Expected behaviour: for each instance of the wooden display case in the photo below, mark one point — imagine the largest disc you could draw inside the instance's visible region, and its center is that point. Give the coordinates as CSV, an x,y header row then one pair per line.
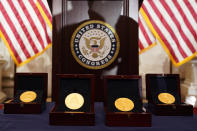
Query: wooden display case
x,y
129,87
36,82
165,83
67,84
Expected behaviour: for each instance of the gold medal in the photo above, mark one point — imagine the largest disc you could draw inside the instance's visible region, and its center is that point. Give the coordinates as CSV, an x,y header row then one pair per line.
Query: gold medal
x,y
166,98
28,96
124,104
74,101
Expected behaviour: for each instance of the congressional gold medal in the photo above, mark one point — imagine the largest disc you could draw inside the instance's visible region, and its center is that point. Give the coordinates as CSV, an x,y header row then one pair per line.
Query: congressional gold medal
x,y
74,101
124,104
166,98
28,96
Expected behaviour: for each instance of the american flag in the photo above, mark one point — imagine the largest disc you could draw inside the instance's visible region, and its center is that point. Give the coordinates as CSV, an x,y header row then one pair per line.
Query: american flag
x,y
25,28
174,24
146,38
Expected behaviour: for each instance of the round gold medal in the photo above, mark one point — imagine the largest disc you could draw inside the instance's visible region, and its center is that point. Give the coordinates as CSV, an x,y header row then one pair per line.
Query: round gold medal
x,y
74,101
28,96
166,98
124,104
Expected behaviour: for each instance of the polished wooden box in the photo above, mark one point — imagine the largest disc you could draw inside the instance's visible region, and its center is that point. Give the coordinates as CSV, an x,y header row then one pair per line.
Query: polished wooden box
x,y
37,82
71,83
130,87
167,83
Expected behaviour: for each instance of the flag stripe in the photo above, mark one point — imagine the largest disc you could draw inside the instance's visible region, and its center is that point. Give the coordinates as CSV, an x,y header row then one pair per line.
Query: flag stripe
x,y
168,28
16,13
188,21
7,18
142,40
18,28
12,38
32,23
187,35
27,24
25,28
141,45
145,33
146,38
40,18
10,44
159,31
147,30
193,5
45,10
174,24
191,9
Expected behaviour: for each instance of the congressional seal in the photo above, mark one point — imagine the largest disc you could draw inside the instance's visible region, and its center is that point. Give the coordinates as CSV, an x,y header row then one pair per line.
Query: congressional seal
x,y
95,44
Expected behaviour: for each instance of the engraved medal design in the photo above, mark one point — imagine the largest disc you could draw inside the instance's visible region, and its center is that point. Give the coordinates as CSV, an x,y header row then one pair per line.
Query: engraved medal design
x,y
124,104
74,101
166,98
28,96
95,44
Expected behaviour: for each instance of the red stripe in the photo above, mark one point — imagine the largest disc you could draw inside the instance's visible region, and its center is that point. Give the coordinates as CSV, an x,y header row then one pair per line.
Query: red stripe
x,y
10,44
48,14
187,41
17,36
41,20
31,22
166,25
191,9
141,45
160,33
23,26
144,32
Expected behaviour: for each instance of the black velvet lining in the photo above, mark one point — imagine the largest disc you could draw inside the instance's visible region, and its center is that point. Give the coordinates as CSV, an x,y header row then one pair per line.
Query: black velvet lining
x,y
164,84
29,83
117,88
74,85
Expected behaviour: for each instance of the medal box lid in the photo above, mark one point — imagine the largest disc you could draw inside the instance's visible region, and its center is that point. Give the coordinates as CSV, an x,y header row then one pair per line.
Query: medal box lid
x,y
163,83
157,84
66,85
36,82
70,84
125,86
25,82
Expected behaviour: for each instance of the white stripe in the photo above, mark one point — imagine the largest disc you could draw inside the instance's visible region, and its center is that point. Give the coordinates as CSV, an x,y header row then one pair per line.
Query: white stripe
x,y
188,15
27,24
18,28
36,21
12,37
47,6
142,39
173,27
182,23
193,4
164,31
148,31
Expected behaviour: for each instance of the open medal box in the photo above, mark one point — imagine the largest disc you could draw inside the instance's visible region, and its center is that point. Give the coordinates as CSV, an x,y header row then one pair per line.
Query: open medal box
x,y
30,93
74,101
163,94
123,103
